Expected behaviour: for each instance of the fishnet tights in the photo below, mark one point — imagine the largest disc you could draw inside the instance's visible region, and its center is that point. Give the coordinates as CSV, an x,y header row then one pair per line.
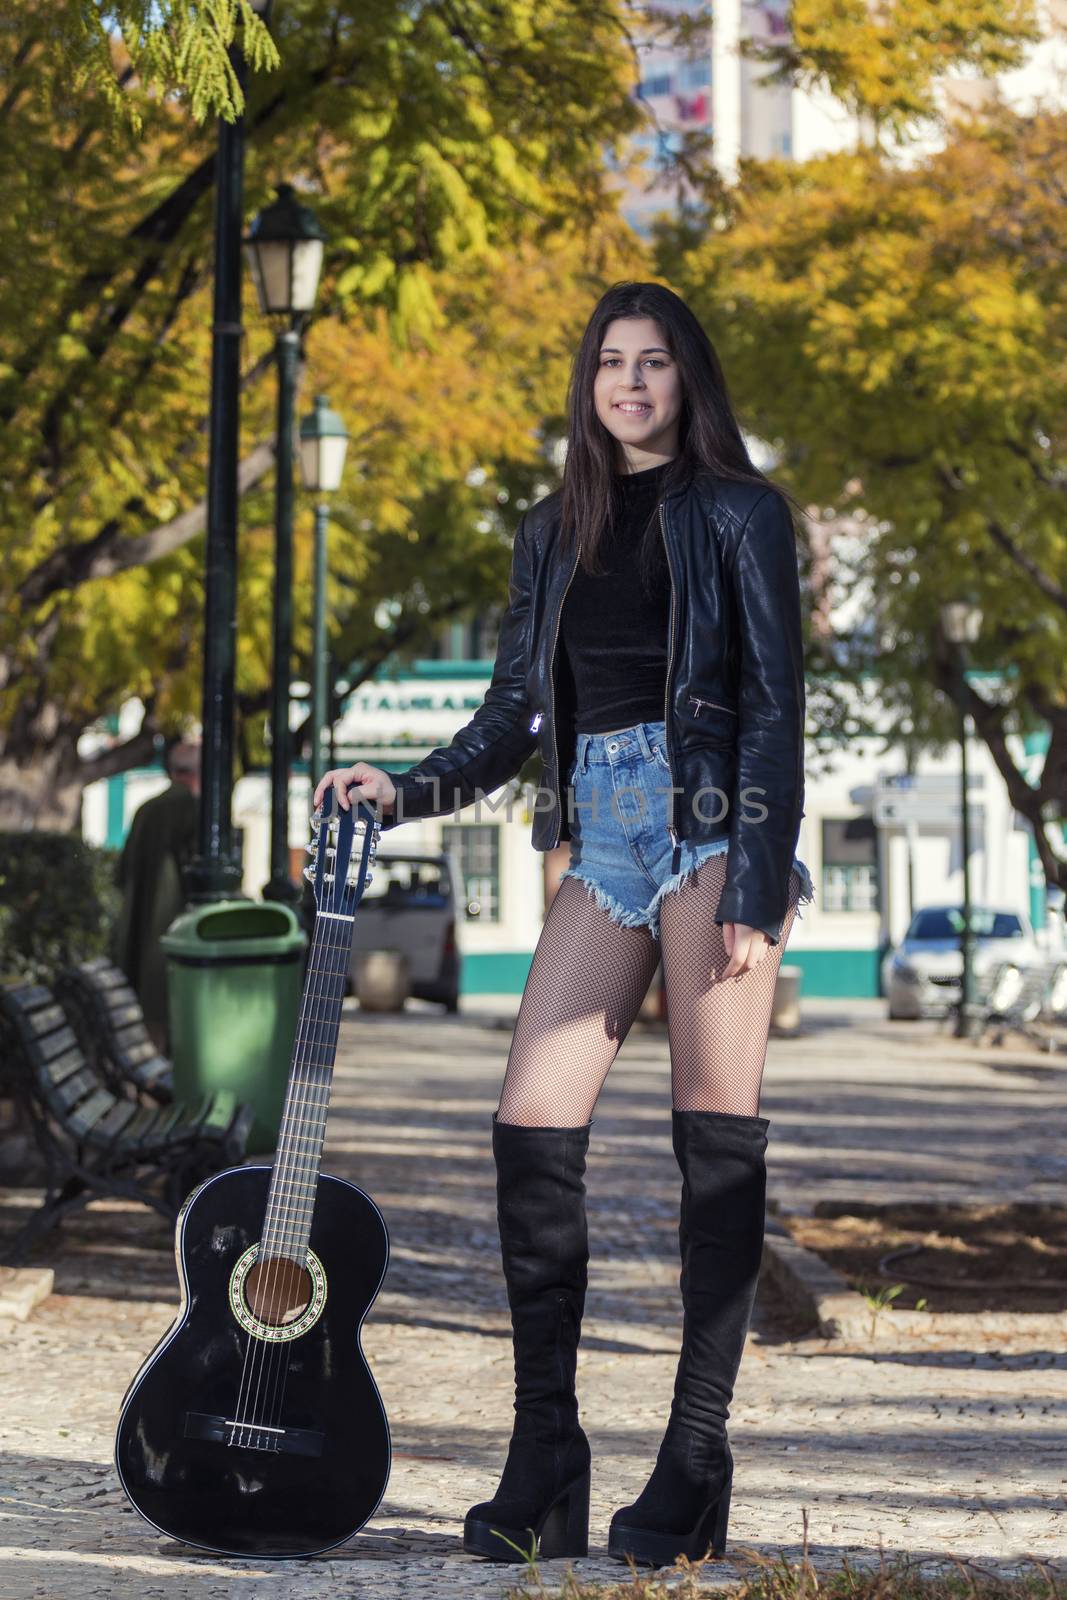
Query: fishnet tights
x,y
585,987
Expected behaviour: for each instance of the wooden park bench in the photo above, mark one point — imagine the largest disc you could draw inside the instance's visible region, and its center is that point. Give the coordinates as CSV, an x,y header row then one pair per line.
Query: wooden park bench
x,y
96,1143
106,1015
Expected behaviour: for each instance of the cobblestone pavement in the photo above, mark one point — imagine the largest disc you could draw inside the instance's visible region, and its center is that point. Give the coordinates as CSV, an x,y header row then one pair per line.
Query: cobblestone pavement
x,y
940,1452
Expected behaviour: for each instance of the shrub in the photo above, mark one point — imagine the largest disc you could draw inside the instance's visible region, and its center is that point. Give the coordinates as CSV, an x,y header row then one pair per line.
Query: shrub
x,y
58,901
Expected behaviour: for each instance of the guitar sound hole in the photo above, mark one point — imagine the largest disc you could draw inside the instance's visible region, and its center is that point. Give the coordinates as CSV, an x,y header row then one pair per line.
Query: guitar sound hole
x,y
278,1291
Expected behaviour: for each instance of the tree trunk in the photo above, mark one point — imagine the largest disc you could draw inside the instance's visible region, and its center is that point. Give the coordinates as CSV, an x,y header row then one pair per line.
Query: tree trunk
x,y
43,793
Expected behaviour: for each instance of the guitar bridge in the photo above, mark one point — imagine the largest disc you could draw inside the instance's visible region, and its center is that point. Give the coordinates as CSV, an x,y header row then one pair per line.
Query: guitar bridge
x,y
253,1435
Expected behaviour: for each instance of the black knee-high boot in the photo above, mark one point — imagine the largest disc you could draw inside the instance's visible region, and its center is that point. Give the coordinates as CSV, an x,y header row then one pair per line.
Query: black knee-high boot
x,y
685,1505
544,1489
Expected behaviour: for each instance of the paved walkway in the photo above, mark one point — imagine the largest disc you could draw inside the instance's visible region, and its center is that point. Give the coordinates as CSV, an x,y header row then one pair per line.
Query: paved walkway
x,y
957,1451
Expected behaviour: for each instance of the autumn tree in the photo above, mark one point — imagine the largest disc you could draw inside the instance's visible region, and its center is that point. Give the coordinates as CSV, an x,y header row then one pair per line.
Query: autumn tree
x,y
180,47
457,160
900,333
887,62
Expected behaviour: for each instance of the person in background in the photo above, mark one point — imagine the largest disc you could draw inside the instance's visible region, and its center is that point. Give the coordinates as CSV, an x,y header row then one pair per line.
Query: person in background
x,y
162,838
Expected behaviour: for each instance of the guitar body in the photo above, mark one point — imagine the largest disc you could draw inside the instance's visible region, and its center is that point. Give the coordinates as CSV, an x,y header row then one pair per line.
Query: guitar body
x,y
268,1444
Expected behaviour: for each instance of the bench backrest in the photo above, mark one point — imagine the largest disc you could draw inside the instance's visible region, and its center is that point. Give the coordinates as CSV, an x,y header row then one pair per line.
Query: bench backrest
x,y
99,997
53,1064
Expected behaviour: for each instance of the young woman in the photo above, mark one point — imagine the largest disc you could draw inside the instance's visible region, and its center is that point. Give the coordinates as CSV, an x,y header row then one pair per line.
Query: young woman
x,y
652,649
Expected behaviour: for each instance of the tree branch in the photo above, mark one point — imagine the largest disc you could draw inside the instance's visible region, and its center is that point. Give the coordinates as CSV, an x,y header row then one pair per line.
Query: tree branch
x,y
107,553
1048,586
157,232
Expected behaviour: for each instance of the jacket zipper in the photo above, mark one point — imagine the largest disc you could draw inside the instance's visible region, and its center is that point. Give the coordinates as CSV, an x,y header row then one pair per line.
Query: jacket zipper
x,y
714,704
552,703
677,853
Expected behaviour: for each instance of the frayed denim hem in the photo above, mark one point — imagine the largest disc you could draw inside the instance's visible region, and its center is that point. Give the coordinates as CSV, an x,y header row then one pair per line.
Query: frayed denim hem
x,y
607,902
650,916
671,885
678,879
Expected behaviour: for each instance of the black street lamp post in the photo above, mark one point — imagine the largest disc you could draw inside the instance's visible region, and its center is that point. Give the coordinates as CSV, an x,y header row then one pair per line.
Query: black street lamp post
x,y
961,622
214,873
285,246
323,442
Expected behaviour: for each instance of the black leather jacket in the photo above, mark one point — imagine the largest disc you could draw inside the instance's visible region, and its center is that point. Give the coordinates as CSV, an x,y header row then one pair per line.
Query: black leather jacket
x,y
734,701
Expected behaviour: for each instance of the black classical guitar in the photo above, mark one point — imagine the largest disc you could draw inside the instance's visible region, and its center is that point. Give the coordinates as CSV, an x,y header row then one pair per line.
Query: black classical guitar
x,y
255,1426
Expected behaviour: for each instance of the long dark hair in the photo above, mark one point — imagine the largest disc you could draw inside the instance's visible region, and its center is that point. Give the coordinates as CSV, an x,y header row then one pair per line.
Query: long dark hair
x,y
708,433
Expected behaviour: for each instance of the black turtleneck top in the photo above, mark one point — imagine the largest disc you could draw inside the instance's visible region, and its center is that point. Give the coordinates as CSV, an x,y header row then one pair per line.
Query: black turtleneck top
x,y
612,668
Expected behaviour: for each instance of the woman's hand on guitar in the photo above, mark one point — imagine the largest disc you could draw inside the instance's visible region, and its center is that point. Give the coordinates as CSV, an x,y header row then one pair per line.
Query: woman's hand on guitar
x,y
374,784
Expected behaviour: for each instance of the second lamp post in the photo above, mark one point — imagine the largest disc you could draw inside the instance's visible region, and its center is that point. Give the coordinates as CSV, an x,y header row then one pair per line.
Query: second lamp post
x,y
323,442
961,622
285,247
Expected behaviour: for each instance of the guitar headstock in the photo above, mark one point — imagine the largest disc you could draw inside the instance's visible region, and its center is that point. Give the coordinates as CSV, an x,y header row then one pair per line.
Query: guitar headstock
x,y
343,846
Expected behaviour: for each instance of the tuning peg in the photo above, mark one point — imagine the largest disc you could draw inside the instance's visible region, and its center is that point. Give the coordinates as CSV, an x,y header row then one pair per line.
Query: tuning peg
x,y
309,874
312,848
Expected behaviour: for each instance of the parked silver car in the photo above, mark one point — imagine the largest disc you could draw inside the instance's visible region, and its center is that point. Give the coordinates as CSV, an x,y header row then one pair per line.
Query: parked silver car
x,y
412,904
921,977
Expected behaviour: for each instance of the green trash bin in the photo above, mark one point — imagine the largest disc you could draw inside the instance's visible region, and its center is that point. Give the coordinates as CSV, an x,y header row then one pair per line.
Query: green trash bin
x,y
235,975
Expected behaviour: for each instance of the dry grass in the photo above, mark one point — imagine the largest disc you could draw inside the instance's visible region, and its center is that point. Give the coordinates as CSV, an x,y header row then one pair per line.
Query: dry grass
x,y
896,1577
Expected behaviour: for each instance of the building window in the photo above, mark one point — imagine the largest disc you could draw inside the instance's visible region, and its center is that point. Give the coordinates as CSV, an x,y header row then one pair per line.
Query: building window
x,y
662,83
476,847
849,864
695,74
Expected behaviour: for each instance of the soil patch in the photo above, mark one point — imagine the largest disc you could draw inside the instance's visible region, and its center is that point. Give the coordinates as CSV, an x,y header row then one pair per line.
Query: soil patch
x,y
955,1257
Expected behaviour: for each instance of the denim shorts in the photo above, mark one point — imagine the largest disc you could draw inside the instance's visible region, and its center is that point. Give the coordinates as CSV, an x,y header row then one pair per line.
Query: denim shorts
x,y
620,847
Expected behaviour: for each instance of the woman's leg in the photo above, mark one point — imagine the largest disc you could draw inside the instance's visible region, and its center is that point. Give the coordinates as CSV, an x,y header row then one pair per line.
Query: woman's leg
x,y
718,1037
586,984
588,978
718,1028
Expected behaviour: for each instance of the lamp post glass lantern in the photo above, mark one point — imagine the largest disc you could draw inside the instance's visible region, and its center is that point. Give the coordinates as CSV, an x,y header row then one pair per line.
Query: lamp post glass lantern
x,y
323,443
285,248
961,622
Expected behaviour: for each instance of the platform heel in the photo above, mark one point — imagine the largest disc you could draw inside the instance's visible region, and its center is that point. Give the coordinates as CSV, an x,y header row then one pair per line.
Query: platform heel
x,y
565,1530
562,1530
650,1547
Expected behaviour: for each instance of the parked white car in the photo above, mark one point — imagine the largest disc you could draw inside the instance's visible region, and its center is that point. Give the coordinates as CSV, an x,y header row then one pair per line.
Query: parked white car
x,y
921,977
412,905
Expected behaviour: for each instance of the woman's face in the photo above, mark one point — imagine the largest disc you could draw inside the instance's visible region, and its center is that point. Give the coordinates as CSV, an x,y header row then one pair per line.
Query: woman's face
x,y
638,393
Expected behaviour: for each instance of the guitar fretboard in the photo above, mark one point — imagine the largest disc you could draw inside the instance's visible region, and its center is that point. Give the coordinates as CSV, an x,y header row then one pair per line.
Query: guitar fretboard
x,y
291,1199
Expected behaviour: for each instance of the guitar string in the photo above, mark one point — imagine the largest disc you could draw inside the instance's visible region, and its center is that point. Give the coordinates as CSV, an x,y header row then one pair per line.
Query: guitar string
x,y
298,1100
303,1190
305,1205
297,1191
329,1030
274,1200
290,1186
285,1213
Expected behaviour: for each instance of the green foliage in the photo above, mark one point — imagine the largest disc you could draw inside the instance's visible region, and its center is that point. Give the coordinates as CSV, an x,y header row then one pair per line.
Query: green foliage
x,y
179,47
457,164
886,62
900,334
58,902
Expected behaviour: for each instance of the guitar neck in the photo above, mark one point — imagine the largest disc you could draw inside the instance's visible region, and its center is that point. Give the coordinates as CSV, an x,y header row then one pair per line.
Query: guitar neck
x,y
291,1199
